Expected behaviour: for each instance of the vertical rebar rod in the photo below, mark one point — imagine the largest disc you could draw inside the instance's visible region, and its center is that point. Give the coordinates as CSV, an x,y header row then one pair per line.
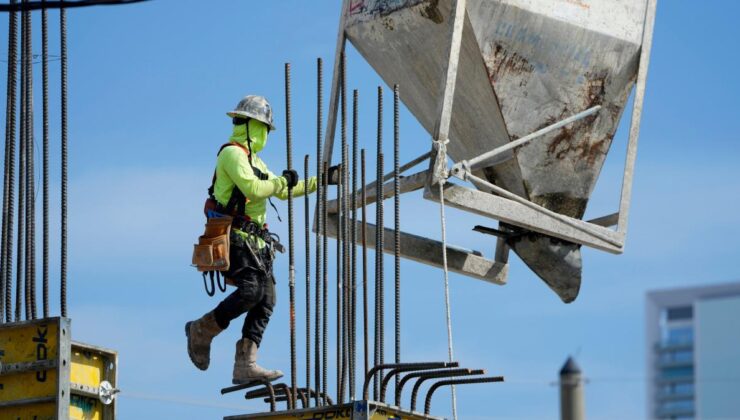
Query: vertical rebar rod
x,y
9,176
342,242
291,245
379,301
346,287
45,162
365,314
339,295
319,204
20,289
353,249
325,290
307,221
63,53
30,182
397,226
27,70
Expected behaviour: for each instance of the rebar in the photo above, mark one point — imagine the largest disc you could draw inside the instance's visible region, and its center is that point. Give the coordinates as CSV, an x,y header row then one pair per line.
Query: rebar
x,y
20,273
453,382
325,289
319,204
9,176
378,370
45,162
339,295
353,249
30,183
378,359
268,390
394,373
291,245
433,375
342,259
364,266
442,373
397,227
63,53
307,216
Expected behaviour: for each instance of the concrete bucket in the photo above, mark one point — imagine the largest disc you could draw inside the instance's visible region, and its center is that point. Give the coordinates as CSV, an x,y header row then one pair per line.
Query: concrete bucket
x,y
523,65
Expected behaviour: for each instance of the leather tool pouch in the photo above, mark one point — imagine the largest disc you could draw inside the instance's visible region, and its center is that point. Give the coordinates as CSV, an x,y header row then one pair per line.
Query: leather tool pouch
x,y
211,253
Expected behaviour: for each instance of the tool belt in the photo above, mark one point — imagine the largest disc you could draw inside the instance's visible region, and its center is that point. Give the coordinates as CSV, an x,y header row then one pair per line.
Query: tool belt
x,y
211,253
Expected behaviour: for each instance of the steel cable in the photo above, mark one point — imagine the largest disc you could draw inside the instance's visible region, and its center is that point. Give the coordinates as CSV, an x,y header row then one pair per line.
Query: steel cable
x,y
442,156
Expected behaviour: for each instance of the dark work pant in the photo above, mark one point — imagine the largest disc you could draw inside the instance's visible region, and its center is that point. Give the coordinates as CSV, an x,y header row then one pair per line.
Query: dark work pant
x,y
255,293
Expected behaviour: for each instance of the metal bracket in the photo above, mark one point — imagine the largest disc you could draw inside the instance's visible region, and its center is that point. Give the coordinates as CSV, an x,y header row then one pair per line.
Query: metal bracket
x,y
529,216
428,251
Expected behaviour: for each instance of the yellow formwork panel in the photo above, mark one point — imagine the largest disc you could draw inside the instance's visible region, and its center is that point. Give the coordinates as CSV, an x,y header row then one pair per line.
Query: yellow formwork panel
x,y
45,376
32,343
45,411
24,343
90,366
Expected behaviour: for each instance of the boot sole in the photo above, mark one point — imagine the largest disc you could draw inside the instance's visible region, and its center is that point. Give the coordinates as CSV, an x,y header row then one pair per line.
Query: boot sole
x,y
242,382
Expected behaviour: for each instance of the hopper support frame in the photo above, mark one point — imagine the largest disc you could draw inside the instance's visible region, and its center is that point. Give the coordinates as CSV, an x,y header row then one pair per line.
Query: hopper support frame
x,y
508,208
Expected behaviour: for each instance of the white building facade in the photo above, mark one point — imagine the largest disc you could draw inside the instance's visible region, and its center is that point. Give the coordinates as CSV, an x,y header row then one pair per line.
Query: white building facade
x,y
693,352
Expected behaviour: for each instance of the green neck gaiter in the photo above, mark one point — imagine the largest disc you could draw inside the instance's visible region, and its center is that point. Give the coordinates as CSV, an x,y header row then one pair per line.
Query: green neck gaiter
x,y
257,133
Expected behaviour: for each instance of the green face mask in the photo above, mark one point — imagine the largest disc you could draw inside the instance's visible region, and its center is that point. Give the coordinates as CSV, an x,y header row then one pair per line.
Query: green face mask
x,y
257,133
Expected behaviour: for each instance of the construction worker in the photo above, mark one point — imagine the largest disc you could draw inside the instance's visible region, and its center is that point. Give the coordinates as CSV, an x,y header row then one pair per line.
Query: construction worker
x,y
241,188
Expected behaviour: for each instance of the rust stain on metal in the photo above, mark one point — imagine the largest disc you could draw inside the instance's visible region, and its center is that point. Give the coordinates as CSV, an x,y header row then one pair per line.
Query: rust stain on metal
x,y
595,88
431,12
570,142
508,63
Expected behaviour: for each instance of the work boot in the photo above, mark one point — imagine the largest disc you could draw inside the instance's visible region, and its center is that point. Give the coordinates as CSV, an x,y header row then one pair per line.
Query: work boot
x,y
246,368
200,334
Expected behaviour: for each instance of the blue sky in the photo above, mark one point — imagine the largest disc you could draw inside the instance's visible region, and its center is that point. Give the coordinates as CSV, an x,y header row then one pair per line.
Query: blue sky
x,y
149,87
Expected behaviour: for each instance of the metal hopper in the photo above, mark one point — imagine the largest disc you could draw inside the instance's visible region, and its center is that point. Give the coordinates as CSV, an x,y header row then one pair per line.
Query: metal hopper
x,y
521,66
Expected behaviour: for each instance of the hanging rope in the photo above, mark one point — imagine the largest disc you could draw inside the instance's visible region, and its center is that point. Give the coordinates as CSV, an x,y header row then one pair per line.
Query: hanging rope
x,y
441,161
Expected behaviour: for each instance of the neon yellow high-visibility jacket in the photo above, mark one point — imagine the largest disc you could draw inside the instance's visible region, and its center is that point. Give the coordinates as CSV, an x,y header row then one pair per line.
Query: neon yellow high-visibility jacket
x,y
233,170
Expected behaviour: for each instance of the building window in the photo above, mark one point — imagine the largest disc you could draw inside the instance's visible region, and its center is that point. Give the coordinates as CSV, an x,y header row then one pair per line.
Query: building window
x,y
683,334
677,356
680,313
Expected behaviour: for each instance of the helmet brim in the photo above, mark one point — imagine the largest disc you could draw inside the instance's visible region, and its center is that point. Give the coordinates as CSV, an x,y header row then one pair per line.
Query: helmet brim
x,y
242,114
